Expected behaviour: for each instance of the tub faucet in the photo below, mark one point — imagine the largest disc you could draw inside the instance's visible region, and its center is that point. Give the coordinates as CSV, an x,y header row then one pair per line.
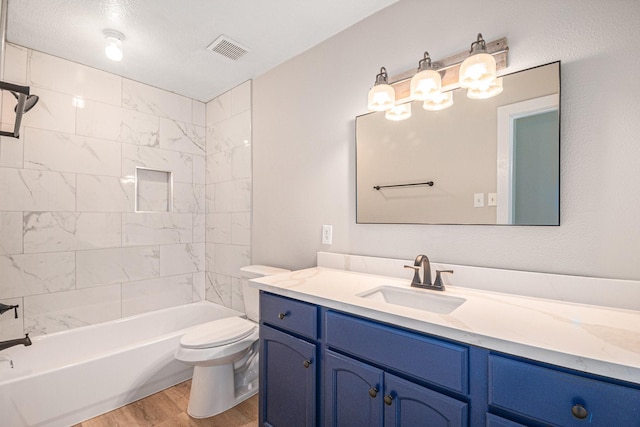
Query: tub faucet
x,y
10,343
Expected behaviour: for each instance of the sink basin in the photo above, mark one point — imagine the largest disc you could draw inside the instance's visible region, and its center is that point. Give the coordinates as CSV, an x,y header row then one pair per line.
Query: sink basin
x,y
414,298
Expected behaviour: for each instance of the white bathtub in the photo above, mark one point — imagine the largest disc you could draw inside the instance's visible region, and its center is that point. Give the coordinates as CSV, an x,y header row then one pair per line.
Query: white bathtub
x,y
67,377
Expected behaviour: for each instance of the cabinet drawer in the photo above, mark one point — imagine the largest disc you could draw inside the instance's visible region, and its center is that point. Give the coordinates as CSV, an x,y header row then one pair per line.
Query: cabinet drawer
x,y
431,360
496,421
548,396
290,315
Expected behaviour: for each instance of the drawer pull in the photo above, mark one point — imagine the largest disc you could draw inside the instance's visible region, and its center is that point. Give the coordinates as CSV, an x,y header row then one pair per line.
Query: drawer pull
x,y
373,392
282,316
579,412
388,400
307,363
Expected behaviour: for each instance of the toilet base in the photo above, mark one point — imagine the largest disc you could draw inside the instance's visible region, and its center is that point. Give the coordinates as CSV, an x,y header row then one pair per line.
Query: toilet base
x,y
213,391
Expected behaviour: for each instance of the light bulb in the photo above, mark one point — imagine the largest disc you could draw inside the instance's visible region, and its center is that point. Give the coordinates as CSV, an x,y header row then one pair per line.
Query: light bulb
x,y
113,48
425,85
398,112
479,69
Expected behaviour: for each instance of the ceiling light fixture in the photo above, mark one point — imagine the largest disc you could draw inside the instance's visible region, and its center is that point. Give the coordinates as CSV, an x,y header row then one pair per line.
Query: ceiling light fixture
x,y
427,82
381,96
113,48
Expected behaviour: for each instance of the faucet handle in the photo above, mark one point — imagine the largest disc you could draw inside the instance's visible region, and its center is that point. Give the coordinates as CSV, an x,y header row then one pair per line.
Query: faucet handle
x,y
438,282
416,274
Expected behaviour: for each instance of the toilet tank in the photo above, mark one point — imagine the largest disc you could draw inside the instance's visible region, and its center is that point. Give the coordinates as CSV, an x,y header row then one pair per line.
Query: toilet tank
x,y
251,295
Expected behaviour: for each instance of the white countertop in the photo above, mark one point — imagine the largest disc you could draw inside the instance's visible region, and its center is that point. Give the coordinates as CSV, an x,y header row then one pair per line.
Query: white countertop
x,y
589,338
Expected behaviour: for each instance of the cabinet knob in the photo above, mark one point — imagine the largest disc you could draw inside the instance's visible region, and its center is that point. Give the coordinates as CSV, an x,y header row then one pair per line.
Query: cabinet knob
x,y
388,400
307,363
282,316
579,412
373,392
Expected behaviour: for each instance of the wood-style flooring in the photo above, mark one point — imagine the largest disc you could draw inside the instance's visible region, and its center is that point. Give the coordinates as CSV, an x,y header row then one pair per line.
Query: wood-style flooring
x,y
168,408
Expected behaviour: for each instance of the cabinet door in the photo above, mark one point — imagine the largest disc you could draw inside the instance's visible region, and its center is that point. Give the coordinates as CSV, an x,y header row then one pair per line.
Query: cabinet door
x,y
352,392
287,380
411,405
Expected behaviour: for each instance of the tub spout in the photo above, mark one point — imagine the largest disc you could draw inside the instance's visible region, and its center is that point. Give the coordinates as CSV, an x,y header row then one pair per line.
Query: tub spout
x,y
10,343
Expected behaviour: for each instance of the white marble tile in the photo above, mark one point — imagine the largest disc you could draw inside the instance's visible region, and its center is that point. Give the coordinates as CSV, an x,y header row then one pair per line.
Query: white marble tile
x,y
199,113
10,327
219,228
182,258
199,228
15,64
209,198
148,99
64,152
44,314
156,228
229,259
106,121
219,109
230,133
218,289
34,190
50,72
199,286
219,167
153,190
233,196
10,233
199,169
117,265
153,294
241,98
54,112
180,164
241,228
188,198
11,152
237,298
180,136
63,231
223,196
241,162
104,194
32,274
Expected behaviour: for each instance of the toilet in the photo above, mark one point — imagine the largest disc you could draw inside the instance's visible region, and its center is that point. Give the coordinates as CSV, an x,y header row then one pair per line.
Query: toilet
x,y
224,354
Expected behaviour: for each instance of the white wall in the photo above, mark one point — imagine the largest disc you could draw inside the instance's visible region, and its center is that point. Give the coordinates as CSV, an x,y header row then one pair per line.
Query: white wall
x,y
72,250
303,117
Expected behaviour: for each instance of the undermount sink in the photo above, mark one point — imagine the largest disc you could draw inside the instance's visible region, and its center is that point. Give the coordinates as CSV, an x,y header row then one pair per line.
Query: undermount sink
x,y
414,298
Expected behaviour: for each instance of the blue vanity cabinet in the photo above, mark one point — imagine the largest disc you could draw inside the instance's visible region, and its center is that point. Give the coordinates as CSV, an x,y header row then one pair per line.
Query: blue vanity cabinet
x,y
288,362
541,395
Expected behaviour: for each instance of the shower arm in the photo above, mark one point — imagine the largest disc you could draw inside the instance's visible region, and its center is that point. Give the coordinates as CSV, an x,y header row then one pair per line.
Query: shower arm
x,y
22,93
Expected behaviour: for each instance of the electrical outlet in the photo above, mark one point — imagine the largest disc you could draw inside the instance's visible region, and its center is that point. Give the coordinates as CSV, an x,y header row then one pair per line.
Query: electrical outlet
x,y
327,234
478,200
492,199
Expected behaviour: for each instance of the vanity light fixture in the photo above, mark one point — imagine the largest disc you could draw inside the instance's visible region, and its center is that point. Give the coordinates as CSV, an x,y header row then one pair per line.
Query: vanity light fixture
x,y
493,89
113,48
398,112
439,102
427,82
478,71
381,96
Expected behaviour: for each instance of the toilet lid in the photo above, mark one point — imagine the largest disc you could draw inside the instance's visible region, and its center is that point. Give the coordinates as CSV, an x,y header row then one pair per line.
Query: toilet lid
x,y
218,333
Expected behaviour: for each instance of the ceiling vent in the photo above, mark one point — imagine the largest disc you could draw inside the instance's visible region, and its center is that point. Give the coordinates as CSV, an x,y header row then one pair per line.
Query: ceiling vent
x,y
226,47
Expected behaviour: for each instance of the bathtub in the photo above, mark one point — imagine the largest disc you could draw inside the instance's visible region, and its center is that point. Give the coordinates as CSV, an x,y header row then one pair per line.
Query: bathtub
x,y
68,377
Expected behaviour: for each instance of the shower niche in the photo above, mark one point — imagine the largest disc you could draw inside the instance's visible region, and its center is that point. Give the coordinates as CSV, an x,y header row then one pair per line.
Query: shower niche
x,y
154,190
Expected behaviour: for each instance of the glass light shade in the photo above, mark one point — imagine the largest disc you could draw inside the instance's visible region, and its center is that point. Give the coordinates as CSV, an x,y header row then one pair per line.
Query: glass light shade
x,y
398,112
425,84
113,49
477,71
485,92
381,97
440,102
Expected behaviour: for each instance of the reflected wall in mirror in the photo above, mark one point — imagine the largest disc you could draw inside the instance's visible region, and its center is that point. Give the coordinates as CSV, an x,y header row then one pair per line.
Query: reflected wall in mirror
x,y
490,161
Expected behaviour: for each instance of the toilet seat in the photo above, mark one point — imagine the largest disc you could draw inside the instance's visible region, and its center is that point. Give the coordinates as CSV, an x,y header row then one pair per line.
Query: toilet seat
x,y
218,333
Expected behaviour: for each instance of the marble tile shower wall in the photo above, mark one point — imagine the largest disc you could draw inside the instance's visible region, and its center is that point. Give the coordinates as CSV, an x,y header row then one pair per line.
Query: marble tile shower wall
x,y
73,251
228,178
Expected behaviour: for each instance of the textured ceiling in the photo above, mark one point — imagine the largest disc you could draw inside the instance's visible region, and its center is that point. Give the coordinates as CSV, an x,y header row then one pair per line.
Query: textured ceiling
x,y
166,40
